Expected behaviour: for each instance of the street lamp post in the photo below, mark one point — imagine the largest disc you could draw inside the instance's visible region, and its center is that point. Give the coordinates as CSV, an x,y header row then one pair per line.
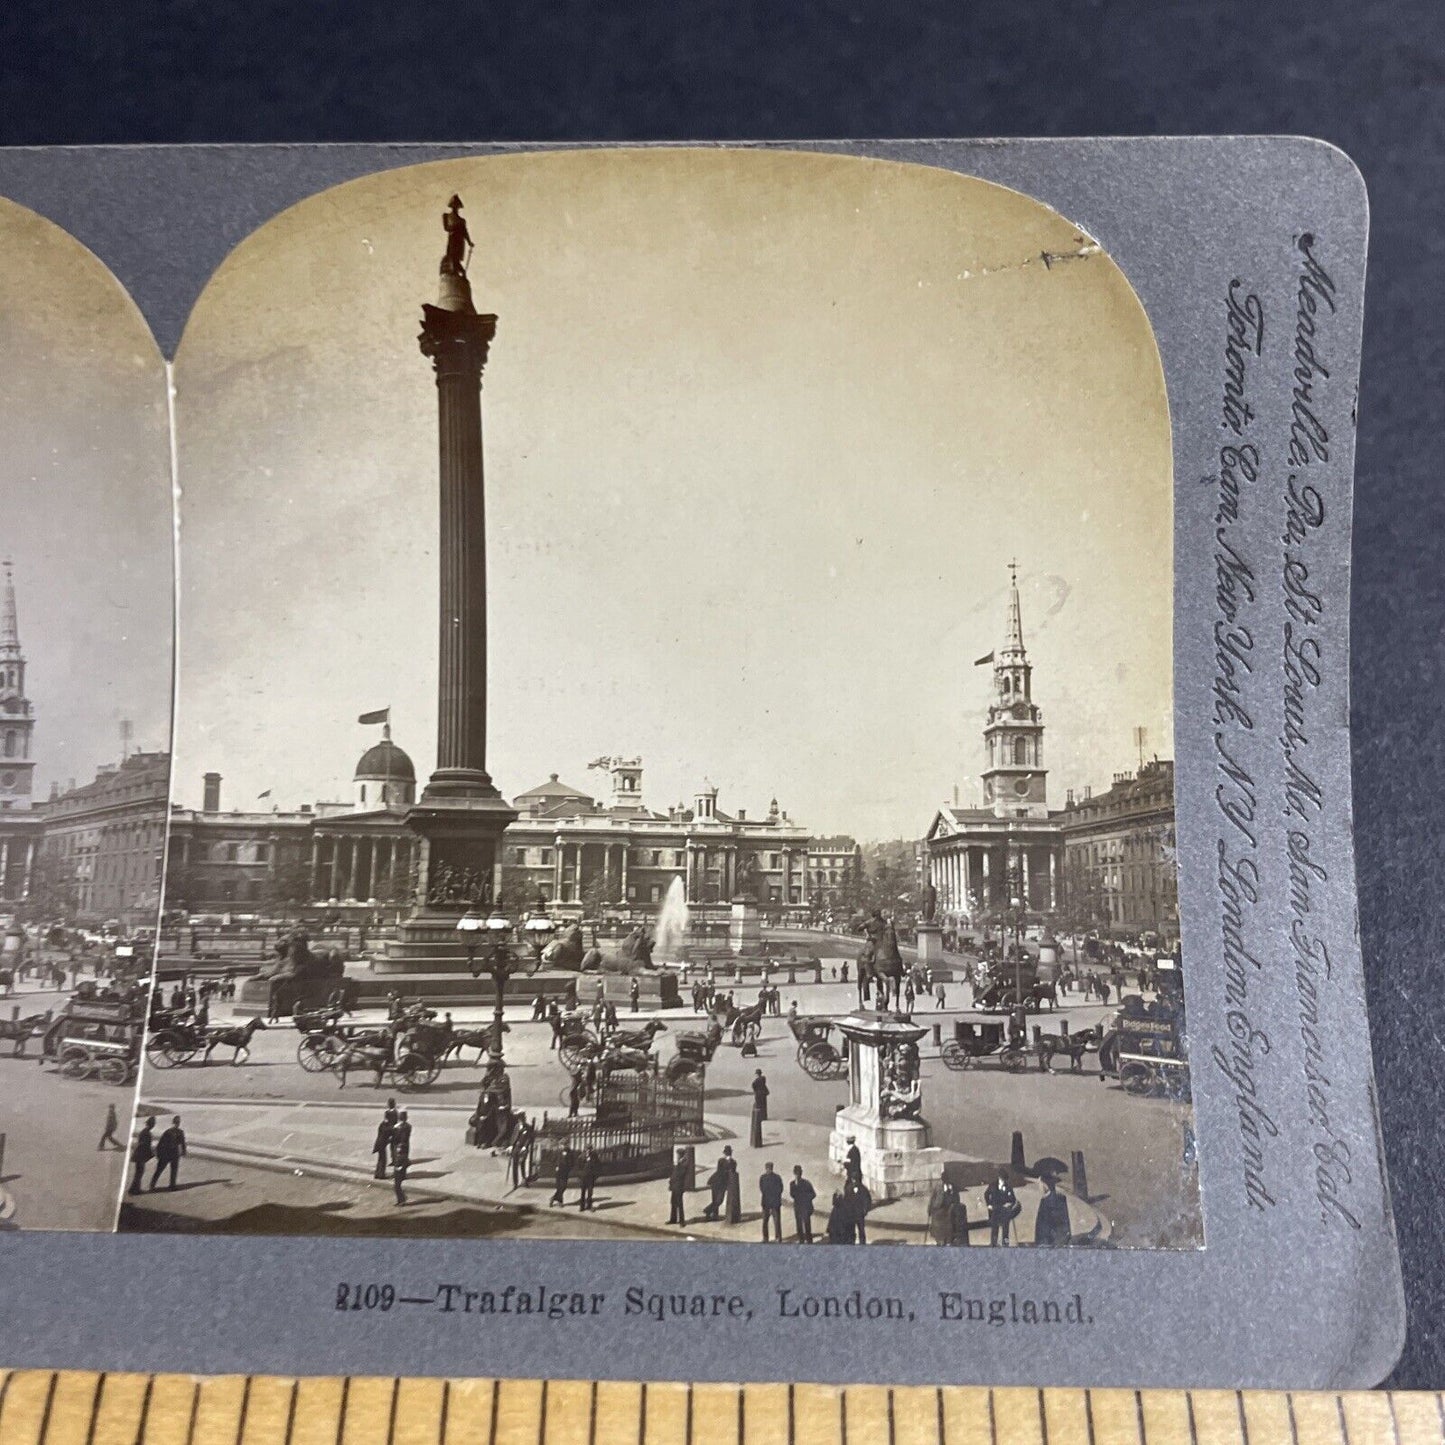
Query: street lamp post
x,y
501,964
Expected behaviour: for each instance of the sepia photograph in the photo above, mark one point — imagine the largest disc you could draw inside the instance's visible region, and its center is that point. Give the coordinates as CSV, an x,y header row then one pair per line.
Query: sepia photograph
x,y
674,720
86,623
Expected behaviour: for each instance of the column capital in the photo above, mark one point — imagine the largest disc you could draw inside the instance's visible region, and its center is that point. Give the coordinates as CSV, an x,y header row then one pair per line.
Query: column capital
x,y
456,342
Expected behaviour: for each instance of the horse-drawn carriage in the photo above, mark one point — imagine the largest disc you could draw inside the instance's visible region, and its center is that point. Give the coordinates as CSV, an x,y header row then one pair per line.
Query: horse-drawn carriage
x,y
695,1051
410,1048
1144,1048
176,1038
975,1042
819,1057
743,1025
617,1051
97,1037
1000,995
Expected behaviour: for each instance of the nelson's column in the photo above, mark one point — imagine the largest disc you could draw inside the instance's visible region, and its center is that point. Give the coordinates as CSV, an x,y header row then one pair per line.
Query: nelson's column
x,y
460,816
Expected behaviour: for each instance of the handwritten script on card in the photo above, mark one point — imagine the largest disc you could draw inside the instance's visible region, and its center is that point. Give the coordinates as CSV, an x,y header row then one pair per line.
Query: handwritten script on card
x,y
1269,721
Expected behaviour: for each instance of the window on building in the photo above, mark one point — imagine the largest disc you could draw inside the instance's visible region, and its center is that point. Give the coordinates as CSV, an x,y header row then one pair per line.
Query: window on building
x,y
775,860
544,856
656,893
1021,750
363,792
10,744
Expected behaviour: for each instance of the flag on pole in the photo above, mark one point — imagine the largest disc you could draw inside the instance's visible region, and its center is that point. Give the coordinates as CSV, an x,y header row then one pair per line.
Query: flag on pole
x,y
980,661
602,762
266,794
381,715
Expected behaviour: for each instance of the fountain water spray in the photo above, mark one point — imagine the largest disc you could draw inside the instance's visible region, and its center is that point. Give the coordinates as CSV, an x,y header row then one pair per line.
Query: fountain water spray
x,y
671,931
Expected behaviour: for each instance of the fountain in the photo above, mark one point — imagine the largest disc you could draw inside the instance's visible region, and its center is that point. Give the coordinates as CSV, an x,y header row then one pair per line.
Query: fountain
x,y
670,931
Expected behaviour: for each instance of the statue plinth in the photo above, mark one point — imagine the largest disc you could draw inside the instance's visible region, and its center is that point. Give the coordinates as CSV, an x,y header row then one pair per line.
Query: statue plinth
x,y
745,928
883,1117
930,943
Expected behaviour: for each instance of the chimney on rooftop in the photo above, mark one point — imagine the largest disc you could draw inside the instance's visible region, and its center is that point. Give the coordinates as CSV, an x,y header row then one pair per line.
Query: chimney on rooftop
x,y
212,799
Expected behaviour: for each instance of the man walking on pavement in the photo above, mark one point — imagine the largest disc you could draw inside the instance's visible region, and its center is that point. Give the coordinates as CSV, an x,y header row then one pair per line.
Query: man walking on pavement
x,y
382,1147
770,1188
112,1123
142,1151
170,1148
591,1168
677,1190
400,1155
564,1173
803,1194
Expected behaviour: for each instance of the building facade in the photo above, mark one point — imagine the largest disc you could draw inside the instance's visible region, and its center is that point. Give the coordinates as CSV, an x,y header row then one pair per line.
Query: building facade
x,y
576,853
104,842
1120,869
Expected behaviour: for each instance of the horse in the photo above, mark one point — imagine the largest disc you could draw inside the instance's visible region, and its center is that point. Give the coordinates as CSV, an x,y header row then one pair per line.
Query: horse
x,y
1074,1046
22,1030
642,1038
368,1051
237,1039
478,1039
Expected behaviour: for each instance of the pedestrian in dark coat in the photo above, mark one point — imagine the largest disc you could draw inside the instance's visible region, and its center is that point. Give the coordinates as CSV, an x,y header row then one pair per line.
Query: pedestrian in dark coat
x,y
142,1151
733,1185
862,1203
760,1093
677,1191
940,1214
591,1168
400,1155
803,1194
853,1162
539,1009
112,1123
634,994
770,1189
1051,1225
842,1224
717,1183
170,1148
520,1152
382,1146
1003,1208
564,1174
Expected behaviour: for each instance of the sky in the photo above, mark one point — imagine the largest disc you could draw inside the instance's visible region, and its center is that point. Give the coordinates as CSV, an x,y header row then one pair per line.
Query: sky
x,y
85,500
762,431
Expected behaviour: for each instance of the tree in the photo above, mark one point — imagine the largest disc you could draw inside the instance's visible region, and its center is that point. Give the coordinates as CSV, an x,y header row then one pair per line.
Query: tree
x,y
599,892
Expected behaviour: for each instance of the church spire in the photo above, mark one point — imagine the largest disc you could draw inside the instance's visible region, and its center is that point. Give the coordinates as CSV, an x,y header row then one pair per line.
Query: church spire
x,y
1015,642
9,627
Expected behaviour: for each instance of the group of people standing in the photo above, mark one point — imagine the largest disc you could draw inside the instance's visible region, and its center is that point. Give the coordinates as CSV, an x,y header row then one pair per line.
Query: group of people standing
x,y
393,1148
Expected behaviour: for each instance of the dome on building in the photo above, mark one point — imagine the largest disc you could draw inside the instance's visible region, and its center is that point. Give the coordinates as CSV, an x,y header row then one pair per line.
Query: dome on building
x,y
385,763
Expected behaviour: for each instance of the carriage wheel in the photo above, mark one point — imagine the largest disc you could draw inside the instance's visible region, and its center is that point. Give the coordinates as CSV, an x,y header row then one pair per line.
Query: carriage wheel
x,y
680,1069
1015,1060
111,1070
955,1055
1136,1079
168,1049
416,1071
570,1054
74,1062
312,1054
819,1060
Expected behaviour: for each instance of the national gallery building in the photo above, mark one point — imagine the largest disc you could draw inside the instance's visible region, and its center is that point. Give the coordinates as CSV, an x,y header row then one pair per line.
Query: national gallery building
x,y
574,851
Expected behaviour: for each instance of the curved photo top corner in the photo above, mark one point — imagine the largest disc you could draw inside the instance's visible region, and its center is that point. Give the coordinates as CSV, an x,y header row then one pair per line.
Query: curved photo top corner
x,y
86,625
674,738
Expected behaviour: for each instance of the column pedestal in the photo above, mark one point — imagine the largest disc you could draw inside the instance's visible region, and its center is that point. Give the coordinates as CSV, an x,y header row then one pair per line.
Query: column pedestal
x,y
745,930
930,943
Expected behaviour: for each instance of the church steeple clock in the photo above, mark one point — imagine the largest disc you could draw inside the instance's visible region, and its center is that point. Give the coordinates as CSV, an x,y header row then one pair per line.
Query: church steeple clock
x,y
17,717
1014,775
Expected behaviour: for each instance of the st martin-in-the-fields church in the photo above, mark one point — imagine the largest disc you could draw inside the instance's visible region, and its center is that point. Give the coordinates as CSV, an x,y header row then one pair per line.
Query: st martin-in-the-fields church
x,y
1011,849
